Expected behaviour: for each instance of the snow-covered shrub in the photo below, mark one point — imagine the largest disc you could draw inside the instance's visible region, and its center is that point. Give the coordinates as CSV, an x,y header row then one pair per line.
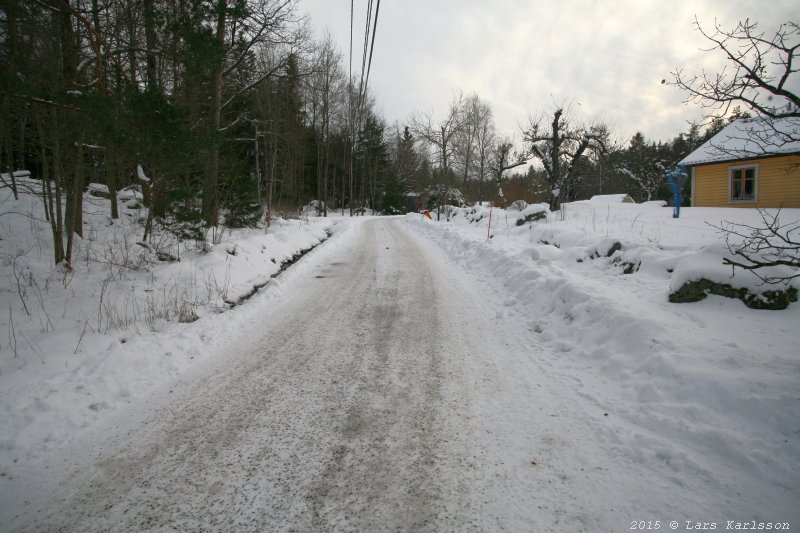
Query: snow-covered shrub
x,y
697,290
98,190
531,213
702,273
475,213
314,208
605,248
518,205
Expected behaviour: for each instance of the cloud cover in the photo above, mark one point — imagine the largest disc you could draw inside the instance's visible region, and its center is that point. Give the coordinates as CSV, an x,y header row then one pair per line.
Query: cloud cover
x,y
607,57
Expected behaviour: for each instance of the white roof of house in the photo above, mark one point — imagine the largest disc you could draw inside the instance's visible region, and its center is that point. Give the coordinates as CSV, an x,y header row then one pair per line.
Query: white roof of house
x,y
749,138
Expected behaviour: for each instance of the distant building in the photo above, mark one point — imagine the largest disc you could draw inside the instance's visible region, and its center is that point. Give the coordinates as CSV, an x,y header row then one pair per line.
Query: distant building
x,y
749,163
612,198
414,202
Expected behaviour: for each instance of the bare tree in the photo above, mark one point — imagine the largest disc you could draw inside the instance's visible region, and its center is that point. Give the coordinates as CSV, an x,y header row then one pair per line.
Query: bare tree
x,y
476,115
559,147
759,248
504,157
440,135
484,144
326,90
762,74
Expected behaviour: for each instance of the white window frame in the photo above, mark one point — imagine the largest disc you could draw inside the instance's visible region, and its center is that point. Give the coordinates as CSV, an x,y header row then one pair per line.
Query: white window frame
x,y
731,170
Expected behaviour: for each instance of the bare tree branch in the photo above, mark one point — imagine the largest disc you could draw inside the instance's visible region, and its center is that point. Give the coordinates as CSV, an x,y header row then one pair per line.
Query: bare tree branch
x,y
761,71
761,248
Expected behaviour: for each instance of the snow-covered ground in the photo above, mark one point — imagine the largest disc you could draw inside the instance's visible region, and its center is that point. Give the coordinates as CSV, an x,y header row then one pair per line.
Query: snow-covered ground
x,y
78,345
699,401
701,397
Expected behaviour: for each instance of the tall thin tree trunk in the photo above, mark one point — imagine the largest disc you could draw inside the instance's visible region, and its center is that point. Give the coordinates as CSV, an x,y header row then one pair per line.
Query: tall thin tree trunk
x,y
112,166
320,156
132,45
49,198
325,171
55,195
273,167
150,40
350,148
21,163
344,175
74,221
10,166
557,199
210,193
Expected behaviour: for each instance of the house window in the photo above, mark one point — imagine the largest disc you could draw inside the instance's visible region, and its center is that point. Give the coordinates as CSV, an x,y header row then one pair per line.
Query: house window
x,y
744,184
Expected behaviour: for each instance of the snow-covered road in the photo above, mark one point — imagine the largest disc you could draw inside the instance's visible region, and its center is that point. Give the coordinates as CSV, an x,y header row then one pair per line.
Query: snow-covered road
x,y
386,390
371,401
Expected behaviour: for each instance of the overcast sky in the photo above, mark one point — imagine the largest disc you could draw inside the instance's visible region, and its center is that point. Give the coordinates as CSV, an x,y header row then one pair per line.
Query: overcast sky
x,y
607,57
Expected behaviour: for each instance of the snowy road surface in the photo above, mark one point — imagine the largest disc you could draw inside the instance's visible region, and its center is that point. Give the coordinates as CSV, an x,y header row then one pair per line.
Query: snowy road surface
x,y
365,405
386,393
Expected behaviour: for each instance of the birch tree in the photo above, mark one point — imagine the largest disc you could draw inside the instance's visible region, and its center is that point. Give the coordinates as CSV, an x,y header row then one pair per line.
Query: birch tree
x,y
475,118
441,134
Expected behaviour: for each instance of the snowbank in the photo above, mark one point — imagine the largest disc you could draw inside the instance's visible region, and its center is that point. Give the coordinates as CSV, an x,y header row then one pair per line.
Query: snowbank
x,y
129,317
701,396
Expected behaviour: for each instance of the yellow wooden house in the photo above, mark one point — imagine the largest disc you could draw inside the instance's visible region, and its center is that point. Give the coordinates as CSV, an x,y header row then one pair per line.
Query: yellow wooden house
x,y
749,163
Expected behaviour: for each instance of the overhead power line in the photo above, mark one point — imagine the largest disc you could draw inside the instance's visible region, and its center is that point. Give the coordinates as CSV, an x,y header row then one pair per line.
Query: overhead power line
x,y
372,44
366,66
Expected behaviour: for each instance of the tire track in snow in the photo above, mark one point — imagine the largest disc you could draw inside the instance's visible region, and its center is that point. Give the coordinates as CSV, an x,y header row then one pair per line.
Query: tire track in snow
x,y
338,419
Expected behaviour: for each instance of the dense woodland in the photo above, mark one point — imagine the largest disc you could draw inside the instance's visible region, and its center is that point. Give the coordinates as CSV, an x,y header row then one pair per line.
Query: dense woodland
x,y
227,112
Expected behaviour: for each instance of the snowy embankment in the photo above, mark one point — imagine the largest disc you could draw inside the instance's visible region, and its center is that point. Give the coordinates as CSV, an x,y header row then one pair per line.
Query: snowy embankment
x,y
703,396
76,345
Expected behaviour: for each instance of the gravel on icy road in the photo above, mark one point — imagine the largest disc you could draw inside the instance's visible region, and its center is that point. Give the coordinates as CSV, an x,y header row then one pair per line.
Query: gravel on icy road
x,y
384,395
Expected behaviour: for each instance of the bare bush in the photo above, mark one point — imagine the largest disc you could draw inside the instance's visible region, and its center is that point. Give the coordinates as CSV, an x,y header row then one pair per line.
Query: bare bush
x,y
759,248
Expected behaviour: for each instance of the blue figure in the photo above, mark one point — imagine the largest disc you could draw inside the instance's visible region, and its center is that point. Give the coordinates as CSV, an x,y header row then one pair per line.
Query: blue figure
x,y
676,179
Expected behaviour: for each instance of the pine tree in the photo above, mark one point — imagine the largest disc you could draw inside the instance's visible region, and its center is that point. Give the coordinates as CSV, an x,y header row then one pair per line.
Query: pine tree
x,y
407,160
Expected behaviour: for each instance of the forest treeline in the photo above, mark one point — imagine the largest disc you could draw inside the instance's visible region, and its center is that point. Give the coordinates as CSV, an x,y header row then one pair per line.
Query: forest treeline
x,y
228,111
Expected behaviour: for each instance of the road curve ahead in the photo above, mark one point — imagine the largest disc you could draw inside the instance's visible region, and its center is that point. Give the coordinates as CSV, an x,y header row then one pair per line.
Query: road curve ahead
x,y
370,401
